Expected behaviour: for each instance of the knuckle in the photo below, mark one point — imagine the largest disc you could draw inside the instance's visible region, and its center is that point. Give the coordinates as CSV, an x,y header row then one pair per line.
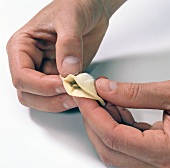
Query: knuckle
x,y
164,93
11,42
52,106
8,45
57,107
105,159
109,141
17,82
68,38
133,91
165,105
112,141
165,102
21,98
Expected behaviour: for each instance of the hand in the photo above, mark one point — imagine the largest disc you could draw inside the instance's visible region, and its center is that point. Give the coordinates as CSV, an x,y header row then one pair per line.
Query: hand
x,y
118,139
61,39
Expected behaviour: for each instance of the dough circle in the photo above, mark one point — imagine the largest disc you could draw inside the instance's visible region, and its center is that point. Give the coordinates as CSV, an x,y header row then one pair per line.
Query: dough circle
x,y
81,85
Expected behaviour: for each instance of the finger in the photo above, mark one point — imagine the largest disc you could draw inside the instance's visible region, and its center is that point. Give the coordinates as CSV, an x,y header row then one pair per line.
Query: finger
x,y
122,138
34,82
48,104
45,45
69,45
113,111
135,95
50,54
49,67
24,61
49,50
123,116
128,119
126,116
112,157
157,126
141,126
166,122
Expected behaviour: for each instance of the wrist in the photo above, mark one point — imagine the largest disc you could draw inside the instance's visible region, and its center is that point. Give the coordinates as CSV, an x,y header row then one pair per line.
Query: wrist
x,y
111,6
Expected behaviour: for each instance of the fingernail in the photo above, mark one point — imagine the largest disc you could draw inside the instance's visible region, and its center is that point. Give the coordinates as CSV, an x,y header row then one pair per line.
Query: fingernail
x,y
103,77
105,84
69,103
71,65
60,90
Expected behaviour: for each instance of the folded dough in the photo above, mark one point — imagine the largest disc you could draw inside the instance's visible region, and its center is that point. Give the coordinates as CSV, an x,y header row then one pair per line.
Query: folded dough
x,y
81,85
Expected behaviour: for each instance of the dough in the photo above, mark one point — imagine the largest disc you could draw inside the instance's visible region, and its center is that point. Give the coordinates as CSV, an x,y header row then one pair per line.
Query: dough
x,y
81,85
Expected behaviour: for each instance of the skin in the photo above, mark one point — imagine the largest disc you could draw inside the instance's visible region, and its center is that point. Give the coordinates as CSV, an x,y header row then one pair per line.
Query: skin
x,y
118,139
37,50
76,28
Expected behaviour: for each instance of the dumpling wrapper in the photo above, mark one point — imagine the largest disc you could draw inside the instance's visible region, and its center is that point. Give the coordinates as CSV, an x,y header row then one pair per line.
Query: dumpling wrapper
x,y
81,85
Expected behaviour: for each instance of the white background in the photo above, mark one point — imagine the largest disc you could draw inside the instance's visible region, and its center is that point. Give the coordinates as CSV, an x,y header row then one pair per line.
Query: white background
x,y
138,43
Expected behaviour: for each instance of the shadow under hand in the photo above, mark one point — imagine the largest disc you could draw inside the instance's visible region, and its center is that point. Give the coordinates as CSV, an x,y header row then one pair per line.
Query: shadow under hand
x,y
68,128
65,128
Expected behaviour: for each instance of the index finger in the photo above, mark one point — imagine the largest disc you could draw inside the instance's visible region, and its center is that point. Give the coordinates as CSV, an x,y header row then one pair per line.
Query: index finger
x,y
122,138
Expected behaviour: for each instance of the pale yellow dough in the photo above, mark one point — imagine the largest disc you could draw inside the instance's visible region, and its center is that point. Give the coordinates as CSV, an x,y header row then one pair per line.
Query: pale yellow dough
x,y
81,85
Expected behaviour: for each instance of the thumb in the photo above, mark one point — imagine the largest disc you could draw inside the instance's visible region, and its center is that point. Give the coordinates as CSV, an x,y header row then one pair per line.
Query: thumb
x,y
135,95
69,45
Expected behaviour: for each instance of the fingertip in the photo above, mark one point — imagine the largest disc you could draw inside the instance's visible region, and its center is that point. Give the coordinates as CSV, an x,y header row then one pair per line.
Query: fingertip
x,y
104,84
71,65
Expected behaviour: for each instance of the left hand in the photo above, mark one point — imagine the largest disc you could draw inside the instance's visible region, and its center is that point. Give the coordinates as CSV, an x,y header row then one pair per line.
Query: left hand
x,y
63,30
118,139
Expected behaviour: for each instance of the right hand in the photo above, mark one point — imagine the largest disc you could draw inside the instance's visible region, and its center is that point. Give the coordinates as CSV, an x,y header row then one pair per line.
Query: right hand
x,y
119,140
